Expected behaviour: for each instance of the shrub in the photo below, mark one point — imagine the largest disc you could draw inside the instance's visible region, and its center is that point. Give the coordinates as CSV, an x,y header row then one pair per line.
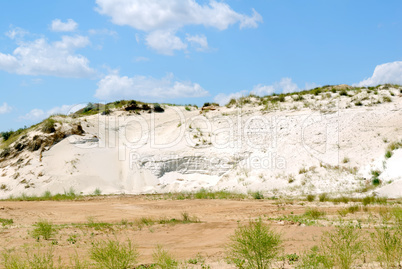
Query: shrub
x,y
32,259
187,108
310,197
163,259
376,182
114,255
387,99
43,229
6,135
343,246
323,197
254,245
353,209
97,192
388,245
388,154
343,93
158,108
258,195
48,126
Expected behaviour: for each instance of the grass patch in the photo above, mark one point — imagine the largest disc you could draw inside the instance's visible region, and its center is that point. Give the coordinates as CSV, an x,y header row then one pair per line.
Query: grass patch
x,y
47,196
5,222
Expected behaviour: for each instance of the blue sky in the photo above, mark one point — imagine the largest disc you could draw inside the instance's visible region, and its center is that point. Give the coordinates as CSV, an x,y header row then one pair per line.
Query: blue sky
x,y
57,54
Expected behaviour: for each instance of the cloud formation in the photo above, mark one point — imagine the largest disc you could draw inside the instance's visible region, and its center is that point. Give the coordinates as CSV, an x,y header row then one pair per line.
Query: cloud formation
x,y
162,19
384,73
39,57
59,26
5,108
114,87
39,114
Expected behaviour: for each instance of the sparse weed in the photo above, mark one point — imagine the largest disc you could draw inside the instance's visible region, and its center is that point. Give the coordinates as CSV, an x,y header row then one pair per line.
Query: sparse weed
x,y
163,259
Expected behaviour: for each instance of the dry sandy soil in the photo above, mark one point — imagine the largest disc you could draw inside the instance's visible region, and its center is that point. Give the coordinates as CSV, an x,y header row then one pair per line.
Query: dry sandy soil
x,y
218,220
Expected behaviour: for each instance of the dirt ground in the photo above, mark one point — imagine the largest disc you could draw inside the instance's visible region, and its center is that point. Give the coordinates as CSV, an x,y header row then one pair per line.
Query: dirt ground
x,y
218,220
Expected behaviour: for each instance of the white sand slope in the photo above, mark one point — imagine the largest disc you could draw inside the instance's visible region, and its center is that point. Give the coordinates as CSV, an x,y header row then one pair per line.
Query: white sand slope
x,y
325,144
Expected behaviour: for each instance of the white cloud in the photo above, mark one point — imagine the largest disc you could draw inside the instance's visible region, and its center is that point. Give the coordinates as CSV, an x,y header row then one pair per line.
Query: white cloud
x,y
165,42
102,32
141,59
311,85
113,87
59,26
262,90
16,33
285,85
34,114
39,114
5,108
384,73
200,41
39,57
223,99
158,16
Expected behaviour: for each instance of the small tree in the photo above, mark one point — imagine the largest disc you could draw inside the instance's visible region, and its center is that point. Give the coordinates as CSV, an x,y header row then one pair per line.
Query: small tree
x,y
254,246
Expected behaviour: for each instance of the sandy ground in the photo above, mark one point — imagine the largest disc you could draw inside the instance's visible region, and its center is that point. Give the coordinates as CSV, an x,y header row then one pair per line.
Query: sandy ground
x,y
218,220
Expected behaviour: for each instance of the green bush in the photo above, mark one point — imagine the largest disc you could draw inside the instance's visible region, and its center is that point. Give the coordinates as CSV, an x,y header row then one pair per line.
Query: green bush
x,y
388,154
387,243
6,135
343,246
43,228
158,108
114,255
258,195
48,126
31,260
323,197
254,245
310,197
